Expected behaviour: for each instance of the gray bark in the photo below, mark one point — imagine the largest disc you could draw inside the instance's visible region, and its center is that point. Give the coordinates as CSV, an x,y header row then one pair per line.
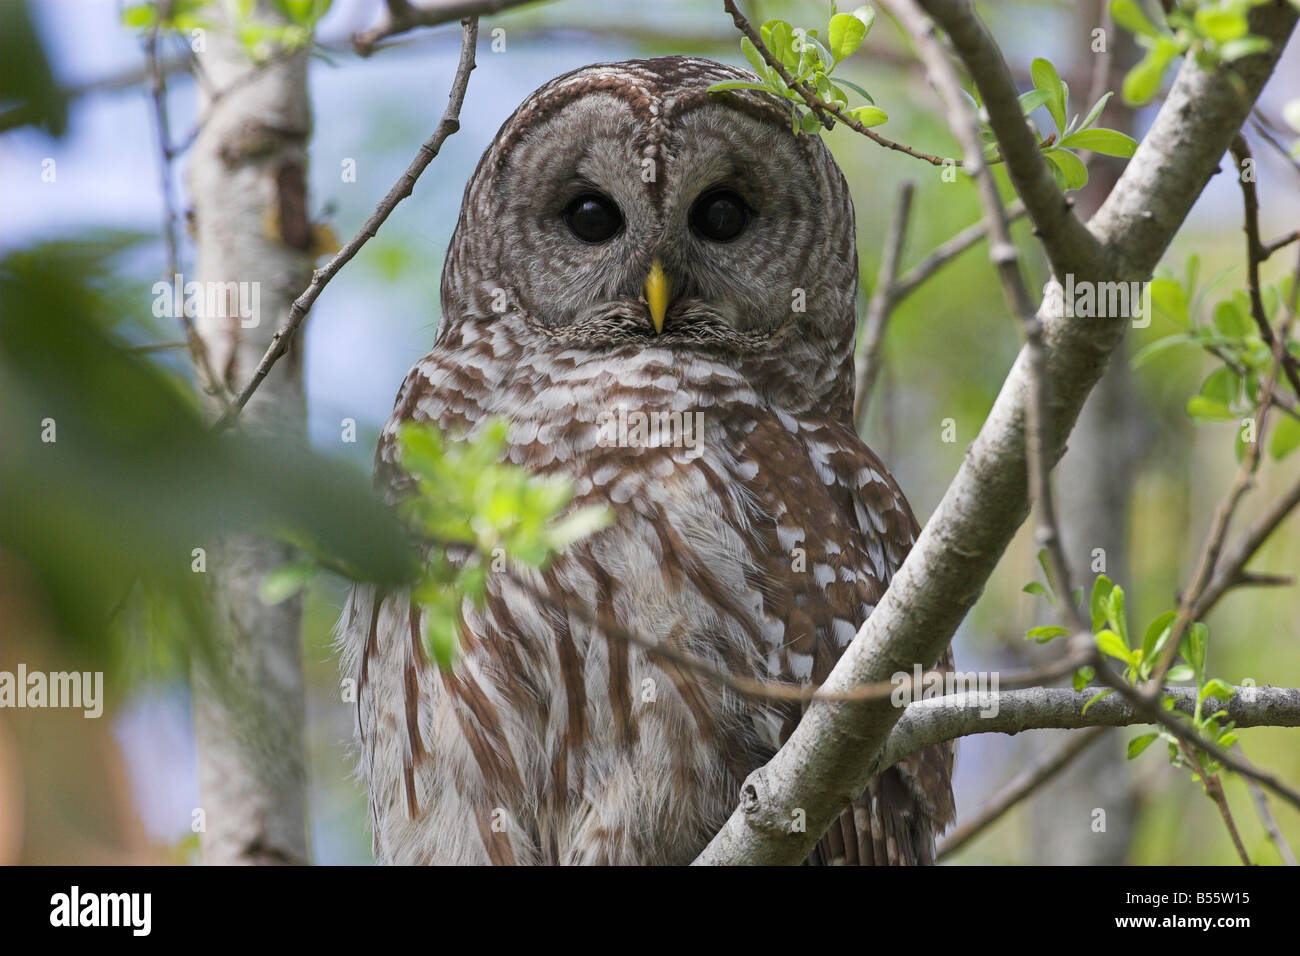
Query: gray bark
x,y
932,721
828,759
247,185
1095,494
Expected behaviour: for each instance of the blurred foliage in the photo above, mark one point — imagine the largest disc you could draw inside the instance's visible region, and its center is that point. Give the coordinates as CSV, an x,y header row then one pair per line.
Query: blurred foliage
x,y
289,29
111,476
482,513
1214,32
28,91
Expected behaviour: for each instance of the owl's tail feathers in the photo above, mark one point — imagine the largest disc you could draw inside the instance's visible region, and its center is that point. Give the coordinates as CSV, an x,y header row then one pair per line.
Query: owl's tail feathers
x,y
898,817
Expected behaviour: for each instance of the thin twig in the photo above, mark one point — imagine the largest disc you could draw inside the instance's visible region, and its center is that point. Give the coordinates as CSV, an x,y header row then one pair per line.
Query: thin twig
x,y
815,103
753,689
1255,254
159,346
881,305
1070,246
1150,708
1280,243
1245,476
1270,823
1214,790
1231,566
401,189
1019,788
1265,128
919,273
403,16
208,380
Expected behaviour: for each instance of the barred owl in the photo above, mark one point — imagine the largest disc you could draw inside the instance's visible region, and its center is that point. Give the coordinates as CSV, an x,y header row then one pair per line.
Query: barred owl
x,y
656,287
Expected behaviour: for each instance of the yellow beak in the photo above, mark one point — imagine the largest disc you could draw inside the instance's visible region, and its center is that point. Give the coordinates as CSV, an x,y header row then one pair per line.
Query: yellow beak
x,y
656,294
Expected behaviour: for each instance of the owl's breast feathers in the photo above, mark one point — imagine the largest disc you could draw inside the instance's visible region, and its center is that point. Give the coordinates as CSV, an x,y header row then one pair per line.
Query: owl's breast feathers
x,y
750,538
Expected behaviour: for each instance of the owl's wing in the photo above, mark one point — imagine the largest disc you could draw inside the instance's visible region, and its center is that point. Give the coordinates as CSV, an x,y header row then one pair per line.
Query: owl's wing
x,y
849,552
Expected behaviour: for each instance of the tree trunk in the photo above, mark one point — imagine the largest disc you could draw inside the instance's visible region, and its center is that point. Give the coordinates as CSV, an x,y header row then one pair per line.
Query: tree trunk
x,y
247,184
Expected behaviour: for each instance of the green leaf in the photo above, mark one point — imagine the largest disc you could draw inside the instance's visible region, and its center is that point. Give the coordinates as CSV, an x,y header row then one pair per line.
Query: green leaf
x,y
1046,79
140,17
867,15
1101,589
868,115
1046,633
1198,406
1074,175
1151,350
1095,111
856,89
1117,614
1105,693
1157,633
1180,673
1169,296
1222,22
1286,436
1141,743
578,524
1143,81
822,84
1110,643
845,35
1130,15
753,56
1194,644
1082,677
1222,386
1034,587
1108,142
286,581
1229,319
1220,690
737,85
1246,46
440,640
1032,100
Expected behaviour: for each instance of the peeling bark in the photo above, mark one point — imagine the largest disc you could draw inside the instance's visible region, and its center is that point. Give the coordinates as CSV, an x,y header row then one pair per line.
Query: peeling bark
x,y
247,184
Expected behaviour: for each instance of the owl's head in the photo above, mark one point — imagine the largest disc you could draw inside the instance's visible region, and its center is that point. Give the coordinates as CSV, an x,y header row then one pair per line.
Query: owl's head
x,y
623,203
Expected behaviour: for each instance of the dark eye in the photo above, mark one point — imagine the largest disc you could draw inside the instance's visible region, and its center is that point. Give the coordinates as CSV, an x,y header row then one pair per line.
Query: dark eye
x,y
593,217
720,215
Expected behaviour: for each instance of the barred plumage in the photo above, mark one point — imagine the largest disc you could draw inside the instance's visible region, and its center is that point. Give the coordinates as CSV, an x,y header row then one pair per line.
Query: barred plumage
x,y
758,545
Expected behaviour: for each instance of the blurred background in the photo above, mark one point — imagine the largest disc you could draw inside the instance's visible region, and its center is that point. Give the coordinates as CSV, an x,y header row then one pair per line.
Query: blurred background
x,y
1141,479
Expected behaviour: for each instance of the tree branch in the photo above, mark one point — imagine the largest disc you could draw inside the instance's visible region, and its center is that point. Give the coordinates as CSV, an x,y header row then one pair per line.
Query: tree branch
x,y
880,306
1257,253
400,190
927,722
402,16
1069,245
1005,259
829,758
825,111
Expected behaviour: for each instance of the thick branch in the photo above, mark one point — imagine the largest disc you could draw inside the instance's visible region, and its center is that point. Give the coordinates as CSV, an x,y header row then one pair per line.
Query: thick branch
x,y
933,721
828,759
